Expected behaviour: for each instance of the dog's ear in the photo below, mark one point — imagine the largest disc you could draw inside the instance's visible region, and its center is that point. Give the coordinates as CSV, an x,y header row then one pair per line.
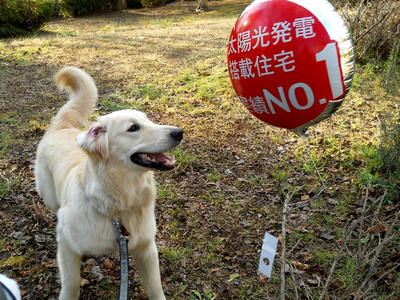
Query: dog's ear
x,y
95,140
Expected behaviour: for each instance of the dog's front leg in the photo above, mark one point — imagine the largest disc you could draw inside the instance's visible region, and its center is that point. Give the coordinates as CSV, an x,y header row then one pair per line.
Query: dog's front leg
x,y
146,258
69,264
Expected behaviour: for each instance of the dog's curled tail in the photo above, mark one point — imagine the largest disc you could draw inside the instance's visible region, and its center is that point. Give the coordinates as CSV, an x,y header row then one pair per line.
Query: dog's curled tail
x,y
83,98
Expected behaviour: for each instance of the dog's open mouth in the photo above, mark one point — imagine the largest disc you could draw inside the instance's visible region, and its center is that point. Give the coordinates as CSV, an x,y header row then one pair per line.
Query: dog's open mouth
x,y
158,161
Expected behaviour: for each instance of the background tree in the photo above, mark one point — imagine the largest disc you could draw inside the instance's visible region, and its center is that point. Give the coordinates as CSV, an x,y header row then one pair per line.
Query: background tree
x,y
119,5
202,5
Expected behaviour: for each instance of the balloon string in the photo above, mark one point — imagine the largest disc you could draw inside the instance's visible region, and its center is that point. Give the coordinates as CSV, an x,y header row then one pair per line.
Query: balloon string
x,y
315,165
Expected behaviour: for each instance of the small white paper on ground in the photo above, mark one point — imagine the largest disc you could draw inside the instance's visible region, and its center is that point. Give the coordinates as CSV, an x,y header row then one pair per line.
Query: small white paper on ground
x,y
267,255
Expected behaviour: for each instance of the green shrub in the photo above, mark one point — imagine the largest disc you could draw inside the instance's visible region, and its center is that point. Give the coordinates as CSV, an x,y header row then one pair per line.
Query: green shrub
x,y
83,7
392,70
383,169
19,16
389,152
134,4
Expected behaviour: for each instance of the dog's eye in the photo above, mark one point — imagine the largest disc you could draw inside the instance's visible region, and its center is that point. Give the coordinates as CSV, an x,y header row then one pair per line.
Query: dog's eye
x,y
133,128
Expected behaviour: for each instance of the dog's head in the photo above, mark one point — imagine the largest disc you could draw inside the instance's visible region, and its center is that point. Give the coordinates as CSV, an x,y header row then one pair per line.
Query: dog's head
x,y
128,136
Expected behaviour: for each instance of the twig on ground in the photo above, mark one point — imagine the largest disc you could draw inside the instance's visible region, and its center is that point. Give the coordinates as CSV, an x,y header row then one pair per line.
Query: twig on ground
x,y
380,204
360,253
396,290
307,290
294,247
291,267
283,256
382,276
346,233
361,256
331,272
304,202
377,250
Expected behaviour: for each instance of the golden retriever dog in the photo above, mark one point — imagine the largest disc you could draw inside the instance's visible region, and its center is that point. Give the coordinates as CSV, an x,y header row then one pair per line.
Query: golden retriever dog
x,y
107,171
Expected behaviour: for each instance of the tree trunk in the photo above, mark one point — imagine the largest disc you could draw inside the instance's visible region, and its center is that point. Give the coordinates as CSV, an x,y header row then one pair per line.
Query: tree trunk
x,y
118,5
202,5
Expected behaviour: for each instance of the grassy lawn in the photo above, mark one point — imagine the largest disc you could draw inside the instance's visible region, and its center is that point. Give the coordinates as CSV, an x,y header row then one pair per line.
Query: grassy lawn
x,y
234,172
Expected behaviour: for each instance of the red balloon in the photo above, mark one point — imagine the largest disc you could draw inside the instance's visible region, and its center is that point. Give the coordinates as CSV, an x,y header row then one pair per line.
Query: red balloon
x,y
283,64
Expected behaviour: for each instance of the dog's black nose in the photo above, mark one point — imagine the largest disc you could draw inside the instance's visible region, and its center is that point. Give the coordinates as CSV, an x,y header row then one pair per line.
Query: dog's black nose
x,y
177,134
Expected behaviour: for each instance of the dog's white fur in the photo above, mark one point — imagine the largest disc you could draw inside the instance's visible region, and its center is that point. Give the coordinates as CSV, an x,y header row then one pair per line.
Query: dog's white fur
x,y
88,177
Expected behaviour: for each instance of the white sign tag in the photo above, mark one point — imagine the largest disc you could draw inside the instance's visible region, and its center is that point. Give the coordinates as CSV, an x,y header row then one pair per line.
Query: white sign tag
x,y
267,256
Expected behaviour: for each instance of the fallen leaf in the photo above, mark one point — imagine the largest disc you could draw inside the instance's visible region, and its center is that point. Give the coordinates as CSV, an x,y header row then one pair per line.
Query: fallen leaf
x,y
84,282
107,264
378,228
215,270
304,197
332,201
52,263
262,279
328,234
307,257
334,284
299,265
313,281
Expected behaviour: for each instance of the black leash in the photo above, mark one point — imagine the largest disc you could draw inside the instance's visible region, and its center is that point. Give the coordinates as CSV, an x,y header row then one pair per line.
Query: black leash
x,y
124,263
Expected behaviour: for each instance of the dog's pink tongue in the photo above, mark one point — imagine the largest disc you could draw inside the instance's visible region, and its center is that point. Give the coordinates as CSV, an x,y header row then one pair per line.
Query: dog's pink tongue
x,y
158,156
162,158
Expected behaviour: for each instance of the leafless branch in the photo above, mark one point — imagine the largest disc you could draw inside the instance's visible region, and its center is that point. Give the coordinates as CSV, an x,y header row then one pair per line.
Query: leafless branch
x,y
291,267
382,276
283,256
388,237
372,27
331,272
378,19
346,233
361,256
360,12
